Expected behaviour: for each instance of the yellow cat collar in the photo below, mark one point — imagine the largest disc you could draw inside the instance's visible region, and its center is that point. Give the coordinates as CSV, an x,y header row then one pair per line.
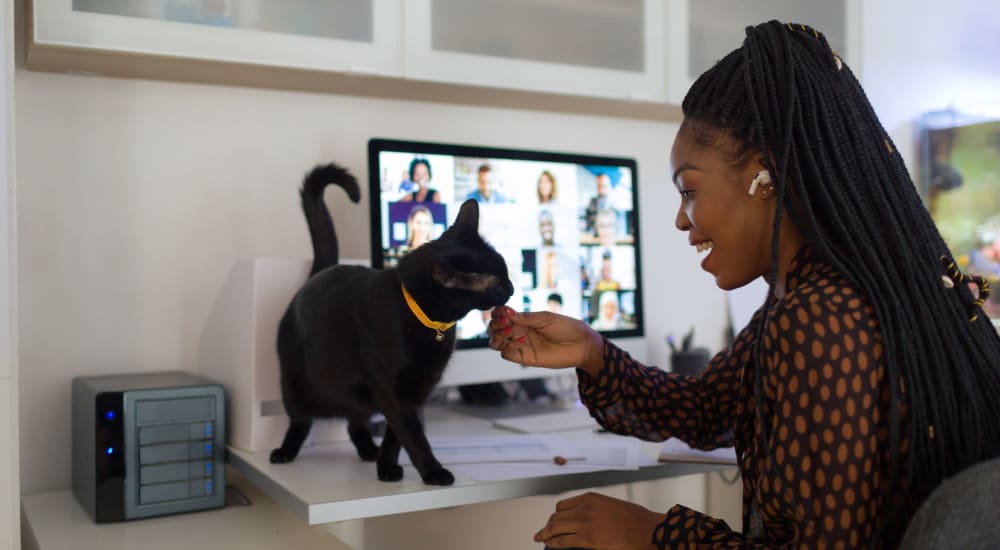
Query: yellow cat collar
x,y
438,327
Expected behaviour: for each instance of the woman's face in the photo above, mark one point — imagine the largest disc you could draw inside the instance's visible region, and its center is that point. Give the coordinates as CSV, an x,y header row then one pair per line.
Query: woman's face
x,y
420,228
609,309
420,174
545,186
730,228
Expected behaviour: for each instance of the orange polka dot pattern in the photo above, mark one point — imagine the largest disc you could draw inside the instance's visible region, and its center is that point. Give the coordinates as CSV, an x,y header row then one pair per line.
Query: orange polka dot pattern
x,y
826,400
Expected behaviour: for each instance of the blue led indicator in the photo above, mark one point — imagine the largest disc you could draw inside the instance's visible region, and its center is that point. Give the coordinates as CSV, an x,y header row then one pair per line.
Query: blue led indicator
x,y
208,430
208,468
109,450
208,486
208,448
109,415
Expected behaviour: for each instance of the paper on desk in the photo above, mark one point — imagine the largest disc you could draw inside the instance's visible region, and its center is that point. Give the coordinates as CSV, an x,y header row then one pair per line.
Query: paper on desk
x,y
675,450
521,470
499,457
498,448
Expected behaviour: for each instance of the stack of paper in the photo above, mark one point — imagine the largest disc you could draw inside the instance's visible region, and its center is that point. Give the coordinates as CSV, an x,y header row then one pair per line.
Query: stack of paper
x,y
499,457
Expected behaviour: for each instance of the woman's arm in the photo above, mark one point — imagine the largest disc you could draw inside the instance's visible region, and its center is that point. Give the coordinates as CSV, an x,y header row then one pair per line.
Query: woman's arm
x,y
630,398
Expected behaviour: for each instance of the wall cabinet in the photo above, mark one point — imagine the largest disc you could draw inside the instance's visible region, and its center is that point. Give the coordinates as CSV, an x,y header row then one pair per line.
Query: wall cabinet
x,y
323,35
703,31
625,52
602,48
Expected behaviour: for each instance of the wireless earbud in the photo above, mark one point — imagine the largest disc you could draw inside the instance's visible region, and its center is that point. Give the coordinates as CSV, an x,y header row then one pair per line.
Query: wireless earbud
x,y
762,177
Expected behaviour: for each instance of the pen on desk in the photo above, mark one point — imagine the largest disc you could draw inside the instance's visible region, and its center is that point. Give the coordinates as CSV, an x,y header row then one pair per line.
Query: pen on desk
x,y
560,460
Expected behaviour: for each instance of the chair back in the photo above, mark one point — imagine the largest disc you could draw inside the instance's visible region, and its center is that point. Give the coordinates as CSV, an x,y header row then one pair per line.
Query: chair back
x,y
963,512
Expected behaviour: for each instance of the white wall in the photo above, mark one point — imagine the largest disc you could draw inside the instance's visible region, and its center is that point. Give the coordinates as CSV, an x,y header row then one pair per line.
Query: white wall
x,y
926,55
136,197
9,474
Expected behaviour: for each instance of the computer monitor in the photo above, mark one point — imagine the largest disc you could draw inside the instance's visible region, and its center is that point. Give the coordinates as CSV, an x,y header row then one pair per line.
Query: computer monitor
x,y
566,224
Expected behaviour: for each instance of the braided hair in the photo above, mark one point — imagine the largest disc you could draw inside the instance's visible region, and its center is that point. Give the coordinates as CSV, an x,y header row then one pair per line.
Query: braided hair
x,y
786,95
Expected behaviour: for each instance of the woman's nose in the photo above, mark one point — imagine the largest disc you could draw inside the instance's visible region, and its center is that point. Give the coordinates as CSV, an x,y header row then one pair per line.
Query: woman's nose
x,y
682,222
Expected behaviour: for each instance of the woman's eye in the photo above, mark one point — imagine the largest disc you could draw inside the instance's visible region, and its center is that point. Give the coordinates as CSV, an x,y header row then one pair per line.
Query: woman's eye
x,y
687,194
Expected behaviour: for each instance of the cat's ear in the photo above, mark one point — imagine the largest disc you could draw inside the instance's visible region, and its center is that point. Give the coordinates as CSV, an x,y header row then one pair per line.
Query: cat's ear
x,y
468,215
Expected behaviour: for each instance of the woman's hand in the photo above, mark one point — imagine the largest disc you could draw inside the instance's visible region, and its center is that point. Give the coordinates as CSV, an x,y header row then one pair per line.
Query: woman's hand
x,y
545,339
593,520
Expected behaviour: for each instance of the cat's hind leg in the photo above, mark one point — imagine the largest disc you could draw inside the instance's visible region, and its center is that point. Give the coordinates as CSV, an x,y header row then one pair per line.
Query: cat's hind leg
x,y
298,429
361,436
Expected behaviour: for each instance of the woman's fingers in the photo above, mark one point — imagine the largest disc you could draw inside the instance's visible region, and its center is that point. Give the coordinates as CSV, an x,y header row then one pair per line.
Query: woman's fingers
x,y
570,503
571,541
557,528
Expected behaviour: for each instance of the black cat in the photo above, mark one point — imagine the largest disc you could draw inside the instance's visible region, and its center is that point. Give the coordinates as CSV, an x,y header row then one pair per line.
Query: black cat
x,y
352,343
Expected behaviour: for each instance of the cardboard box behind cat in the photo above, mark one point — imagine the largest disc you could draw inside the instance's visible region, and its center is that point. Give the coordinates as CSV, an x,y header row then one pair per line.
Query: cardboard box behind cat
x,y
237,350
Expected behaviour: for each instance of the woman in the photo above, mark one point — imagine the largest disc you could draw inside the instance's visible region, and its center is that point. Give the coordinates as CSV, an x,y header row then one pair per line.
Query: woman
x,y
420,176
418,227
869,374
607,312
547,189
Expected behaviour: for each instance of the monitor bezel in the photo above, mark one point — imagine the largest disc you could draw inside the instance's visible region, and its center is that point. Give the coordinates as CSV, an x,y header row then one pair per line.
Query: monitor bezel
x,y
379,145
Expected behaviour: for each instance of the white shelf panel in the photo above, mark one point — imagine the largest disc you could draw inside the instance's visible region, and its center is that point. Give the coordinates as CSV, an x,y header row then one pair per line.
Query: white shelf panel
x,y
56,521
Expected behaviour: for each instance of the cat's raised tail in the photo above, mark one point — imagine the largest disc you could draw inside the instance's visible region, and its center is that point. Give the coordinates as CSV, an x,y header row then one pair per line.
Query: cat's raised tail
x,y
324,237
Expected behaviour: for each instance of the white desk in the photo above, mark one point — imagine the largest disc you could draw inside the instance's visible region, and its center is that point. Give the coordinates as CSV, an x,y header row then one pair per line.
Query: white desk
x,y
325,484
328,483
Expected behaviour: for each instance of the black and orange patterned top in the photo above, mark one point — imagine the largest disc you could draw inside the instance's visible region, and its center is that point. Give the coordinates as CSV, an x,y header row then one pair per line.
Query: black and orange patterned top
x,y
826,403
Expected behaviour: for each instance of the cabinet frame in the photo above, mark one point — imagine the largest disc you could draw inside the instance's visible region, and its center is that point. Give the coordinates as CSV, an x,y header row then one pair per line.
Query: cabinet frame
x,y
424,63
54,24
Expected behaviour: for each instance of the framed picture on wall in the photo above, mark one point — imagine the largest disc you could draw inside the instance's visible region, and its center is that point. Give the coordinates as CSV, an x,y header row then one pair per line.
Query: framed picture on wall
x,y
960,181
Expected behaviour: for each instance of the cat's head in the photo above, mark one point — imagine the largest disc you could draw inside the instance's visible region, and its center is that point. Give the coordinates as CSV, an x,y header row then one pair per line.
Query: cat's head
x,y
458,271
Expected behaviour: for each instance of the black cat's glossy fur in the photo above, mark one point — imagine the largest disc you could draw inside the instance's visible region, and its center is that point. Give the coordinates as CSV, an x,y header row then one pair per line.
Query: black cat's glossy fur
x,y
348,344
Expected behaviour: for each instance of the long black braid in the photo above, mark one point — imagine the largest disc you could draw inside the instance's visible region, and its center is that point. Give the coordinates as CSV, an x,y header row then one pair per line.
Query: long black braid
x,y
787,94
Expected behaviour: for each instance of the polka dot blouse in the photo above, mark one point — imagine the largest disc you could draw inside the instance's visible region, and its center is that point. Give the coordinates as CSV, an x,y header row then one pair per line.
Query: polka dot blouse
x,y
825,401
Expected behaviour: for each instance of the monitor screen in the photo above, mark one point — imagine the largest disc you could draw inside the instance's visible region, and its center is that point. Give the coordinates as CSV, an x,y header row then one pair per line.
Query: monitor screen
x,y
566,224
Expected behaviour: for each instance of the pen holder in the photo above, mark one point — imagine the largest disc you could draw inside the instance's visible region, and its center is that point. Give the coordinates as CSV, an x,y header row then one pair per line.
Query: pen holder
x,y
690,362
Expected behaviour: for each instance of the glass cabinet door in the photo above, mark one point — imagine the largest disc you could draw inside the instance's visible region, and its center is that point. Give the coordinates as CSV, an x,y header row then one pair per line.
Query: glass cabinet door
x,y
339,35
703,31
607,48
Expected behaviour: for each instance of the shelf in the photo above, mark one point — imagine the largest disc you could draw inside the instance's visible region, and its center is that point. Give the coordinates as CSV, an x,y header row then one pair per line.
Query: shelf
x,y
56,521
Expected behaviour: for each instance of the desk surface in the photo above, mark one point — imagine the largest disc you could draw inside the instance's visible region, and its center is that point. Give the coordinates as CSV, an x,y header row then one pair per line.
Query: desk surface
x,y
56,521
328,483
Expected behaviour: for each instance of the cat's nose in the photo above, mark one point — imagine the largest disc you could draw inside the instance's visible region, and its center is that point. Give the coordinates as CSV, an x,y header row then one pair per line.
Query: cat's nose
x,y
504,291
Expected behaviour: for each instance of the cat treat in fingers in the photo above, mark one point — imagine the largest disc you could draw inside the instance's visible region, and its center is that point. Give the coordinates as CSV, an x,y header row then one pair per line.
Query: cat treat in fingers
x,y
355,341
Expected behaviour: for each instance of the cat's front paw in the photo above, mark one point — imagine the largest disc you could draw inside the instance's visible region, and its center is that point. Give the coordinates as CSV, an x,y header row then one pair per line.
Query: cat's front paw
x,y
390,472
281,456
439,476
